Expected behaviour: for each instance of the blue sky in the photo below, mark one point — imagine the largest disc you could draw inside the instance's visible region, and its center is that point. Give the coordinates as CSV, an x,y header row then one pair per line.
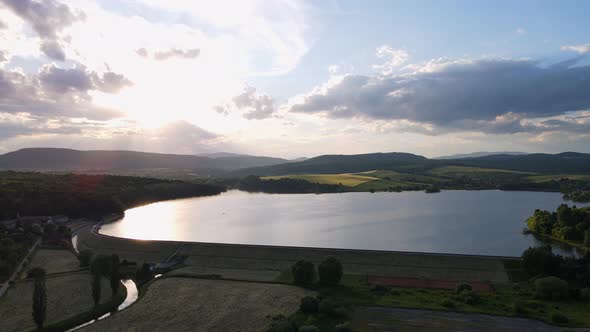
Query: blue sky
x,y
295,78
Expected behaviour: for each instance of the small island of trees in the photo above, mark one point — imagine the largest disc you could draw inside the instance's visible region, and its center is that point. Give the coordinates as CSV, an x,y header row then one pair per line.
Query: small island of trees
x,y
569,224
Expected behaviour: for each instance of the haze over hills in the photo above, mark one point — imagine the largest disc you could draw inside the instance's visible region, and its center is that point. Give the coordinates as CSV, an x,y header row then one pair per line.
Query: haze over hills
x,y
243,165
67,159
479,154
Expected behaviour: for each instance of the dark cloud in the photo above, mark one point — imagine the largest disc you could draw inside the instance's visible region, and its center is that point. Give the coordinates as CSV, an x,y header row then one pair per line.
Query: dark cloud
x,y
487,95
3,25
53,50
55,92
48,18
3,56
176,53
255,106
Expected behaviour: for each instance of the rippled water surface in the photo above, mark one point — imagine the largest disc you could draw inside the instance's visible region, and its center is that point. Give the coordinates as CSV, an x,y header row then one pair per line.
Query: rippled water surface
x,y
466,222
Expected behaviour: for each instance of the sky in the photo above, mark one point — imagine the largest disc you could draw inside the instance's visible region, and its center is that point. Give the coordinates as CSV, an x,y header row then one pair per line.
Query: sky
x,y
292,78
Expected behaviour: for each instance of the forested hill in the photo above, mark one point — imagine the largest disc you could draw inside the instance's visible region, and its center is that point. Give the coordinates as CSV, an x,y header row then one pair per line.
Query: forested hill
x,y
343,164
67,159
567,162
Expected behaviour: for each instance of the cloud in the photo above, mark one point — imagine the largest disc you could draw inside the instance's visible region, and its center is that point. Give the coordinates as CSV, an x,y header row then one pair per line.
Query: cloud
x,y
253,105
582,49
47,18
53,50
487,94
177,53
55,92
521,31
393,59
142,52
3,56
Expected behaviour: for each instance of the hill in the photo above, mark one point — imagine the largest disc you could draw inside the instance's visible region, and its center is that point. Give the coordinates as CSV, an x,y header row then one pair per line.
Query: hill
x,y
479,154
75,160
566,162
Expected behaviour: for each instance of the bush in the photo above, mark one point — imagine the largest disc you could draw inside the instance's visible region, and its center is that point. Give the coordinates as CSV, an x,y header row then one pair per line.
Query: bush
x,y
303,273
309,328
462,287
551,288
309,305
378,289
85,257
280,323
468,297
519,308
330,271
326,307
559,318
585,293
36,272
447,303
343,327
540,260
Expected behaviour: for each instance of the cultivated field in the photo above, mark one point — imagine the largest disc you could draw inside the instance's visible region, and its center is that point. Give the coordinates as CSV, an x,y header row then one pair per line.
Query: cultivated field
x,y
454,170
184,304
54,261
67,296
349,180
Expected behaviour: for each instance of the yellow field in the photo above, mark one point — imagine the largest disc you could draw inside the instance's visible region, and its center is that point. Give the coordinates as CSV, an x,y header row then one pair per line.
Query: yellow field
x,y
445,170
350,180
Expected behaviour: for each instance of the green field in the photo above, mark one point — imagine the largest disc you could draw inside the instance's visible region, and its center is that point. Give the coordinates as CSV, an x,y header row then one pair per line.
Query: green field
x,y
460,170
349,180
552,177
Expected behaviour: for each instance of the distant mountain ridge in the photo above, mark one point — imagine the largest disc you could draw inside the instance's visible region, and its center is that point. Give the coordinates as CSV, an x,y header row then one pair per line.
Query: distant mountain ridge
x,y
480,154
243,165
120,160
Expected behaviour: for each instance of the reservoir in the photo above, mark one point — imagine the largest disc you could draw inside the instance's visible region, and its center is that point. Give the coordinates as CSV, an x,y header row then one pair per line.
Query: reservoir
x,y
488,222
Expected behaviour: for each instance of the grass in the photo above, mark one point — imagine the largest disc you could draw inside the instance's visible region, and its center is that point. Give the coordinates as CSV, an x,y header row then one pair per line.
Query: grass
x,y
54,261
67,297
460,170
205,305
551,177
349,180
354,291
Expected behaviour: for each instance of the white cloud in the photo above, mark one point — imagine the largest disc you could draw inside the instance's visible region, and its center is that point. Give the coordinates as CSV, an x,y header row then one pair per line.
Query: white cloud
x,y
582,49
521,31
394,58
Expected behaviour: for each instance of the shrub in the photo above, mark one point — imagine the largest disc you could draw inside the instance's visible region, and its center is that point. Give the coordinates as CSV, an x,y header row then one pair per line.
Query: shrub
x,y
326,307
303,273
462,287
280,323
519,308
36,272
343,327
309,305
309,328
551,288
378,289
468,297
85,257
448,303
585,293
559,318
330,271
540,260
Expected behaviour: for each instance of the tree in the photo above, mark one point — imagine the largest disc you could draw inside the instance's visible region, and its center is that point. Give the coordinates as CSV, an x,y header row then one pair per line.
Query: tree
x,y
115,276
330,271
551,288
85,257
303,272
96,288
101,265
40,300
540,260
587,238
565,215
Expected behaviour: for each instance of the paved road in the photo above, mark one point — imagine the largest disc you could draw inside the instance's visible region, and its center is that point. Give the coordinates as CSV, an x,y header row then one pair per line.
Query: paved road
x,y
6,285
398,320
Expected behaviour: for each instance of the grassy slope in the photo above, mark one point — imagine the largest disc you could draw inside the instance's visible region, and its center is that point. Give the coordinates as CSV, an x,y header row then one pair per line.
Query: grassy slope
x,y
349,180
460,170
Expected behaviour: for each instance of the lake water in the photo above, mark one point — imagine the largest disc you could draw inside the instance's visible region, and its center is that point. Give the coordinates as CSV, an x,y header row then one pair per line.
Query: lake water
x,y
486,222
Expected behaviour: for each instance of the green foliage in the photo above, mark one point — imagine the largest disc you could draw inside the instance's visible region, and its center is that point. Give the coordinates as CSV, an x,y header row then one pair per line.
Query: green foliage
x,y
330,271
280,323
463,287
303,273
587,238
115,277
540,260
85,257
309,305
309,328
40,300
448,303
343,327
96,288
467,296
559,318
519,307
551,288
